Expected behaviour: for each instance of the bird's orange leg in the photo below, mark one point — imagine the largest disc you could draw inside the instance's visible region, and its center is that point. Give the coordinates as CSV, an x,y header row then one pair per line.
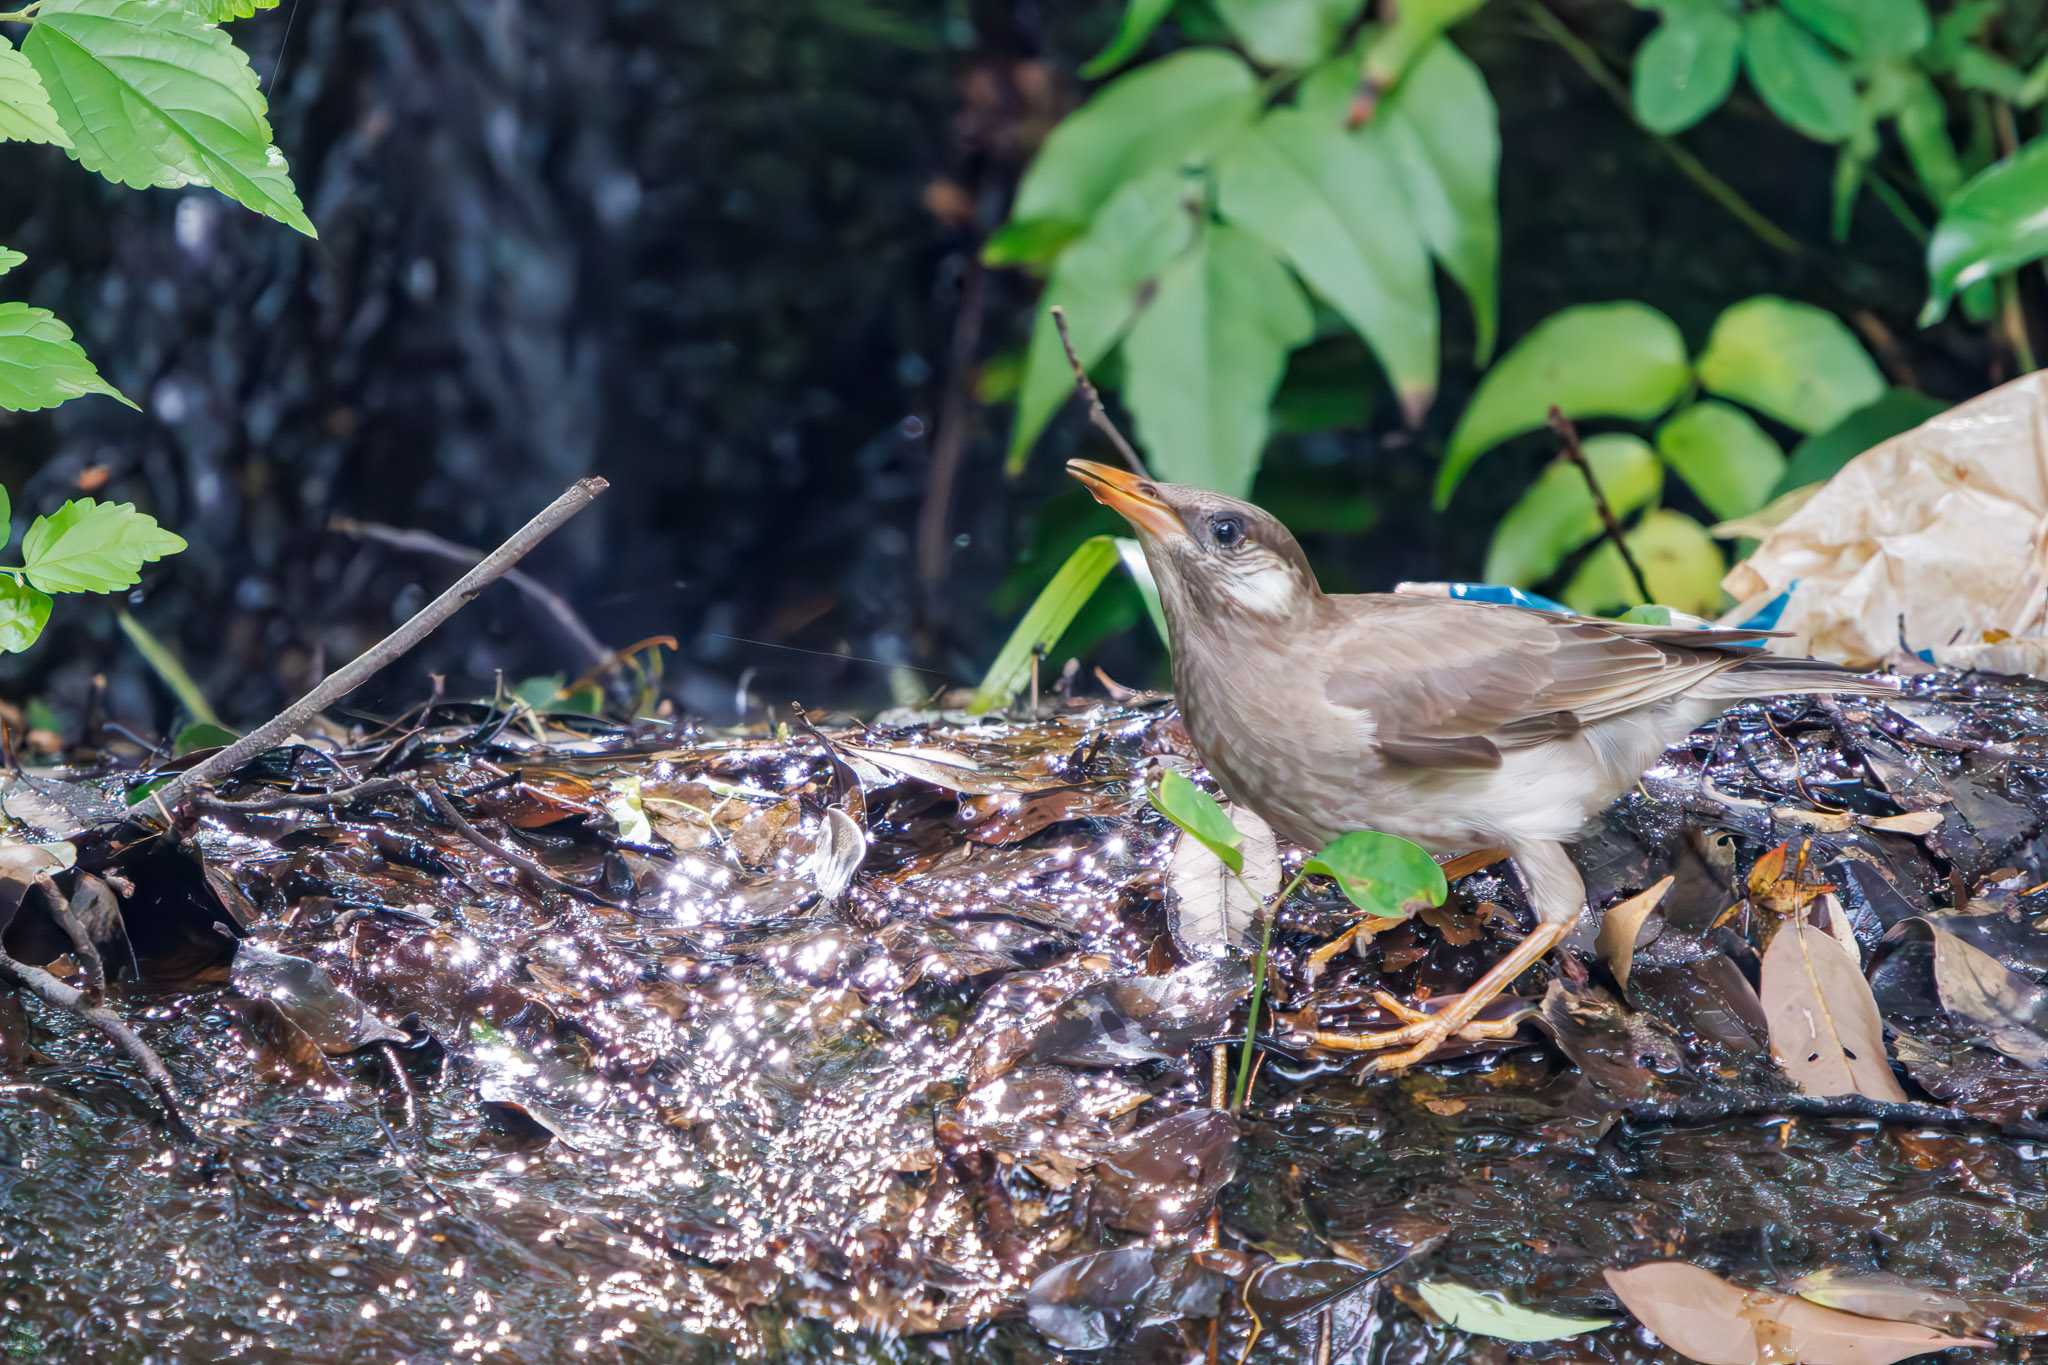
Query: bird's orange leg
x,y
1425,1033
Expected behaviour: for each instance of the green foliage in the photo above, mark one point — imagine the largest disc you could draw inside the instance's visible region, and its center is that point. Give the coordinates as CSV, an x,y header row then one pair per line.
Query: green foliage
x,y
40,364
25,112
221,11
1680,561
1047,620
88,546
1557,518
1289,34
23,614
1687,67
1790,361
1816,458
1381,874
1995,223
169,669
1141,17
1723,456
201,735
1197,813
1802,82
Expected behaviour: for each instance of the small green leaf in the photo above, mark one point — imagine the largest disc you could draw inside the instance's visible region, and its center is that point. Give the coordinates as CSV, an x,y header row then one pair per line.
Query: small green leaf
x,y
1594,360
1557,515
1202,361
1922,121
1490,1315
202,735
1680,560
1196,812
222,11
622,803
1140,18
88,546
1798,79
1790,361
23,614
1132,555
1723,456
9,259
1045,621
1029,241
1381,874
1869,29
1686,68
1288,33
25,112
40,365
1996,222
168,667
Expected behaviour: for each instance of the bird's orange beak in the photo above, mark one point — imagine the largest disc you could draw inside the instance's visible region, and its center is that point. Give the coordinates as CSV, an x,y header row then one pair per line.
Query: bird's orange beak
x,y
1129,496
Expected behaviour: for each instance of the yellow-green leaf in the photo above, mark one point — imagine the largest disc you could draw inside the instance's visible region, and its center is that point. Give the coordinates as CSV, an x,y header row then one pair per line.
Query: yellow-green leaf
x,y
1139,19
1801,82
222,11
1679,558
41,365
1791,361
1288,33
1998,221
23,614
88,546
25,112
1196,812
1381,874
1045,621
9,259
1686,67
1723,456
1557,515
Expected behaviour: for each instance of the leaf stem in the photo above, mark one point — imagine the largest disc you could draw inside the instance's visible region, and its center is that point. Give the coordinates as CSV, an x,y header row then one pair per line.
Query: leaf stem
x,y
25,15
1251,1022
1568,434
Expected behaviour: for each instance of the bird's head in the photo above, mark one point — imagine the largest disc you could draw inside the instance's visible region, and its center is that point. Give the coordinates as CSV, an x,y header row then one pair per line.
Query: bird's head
x,y
1213,556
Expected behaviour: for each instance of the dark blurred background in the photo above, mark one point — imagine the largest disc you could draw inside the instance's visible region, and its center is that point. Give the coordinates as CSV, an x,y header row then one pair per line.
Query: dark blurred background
x,y
724,254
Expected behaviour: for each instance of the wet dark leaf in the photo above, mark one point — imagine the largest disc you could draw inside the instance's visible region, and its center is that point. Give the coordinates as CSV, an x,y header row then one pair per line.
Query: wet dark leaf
x,y
1163,1177
308,997
1134,1019
1089,1302
1281,1293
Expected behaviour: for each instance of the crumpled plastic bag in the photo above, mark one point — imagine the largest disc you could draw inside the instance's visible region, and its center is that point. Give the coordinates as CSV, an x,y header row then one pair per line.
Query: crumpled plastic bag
x,y
1933,543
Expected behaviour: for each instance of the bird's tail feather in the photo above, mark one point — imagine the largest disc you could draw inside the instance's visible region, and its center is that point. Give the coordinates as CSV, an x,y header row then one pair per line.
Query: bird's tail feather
x,y
1771,675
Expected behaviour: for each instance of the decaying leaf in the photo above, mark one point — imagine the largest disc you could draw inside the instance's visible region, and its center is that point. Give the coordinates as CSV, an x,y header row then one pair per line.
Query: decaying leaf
x,y
946,768
1623,925
307,996
2007,1010
1825,1029
1488,1314
1214,909
839,852
622,803
1876,1295
1700,1315
1774,887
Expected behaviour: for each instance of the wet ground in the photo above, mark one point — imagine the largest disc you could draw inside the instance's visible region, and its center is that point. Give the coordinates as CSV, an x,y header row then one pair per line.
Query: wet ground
x,y
654,1061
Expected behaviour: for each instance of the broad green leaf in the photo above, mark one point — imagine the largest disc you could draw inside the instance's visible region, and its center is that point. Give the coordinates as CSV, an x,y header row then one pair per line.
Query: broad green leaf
x,y
1818,456
1381,874
23,614
1723,456
1161,115
88,546
6,517
40,365
1679,558
1196,812
201,735
1686,68
1029,241
1331,204
9,259
222,11
1990,74
1791,361
1202,361
1140,18
25,112
1288,33
1869,29
1099,281
1594,360
1996,222
1557,515
152,94
1045,621
1490,1315
1804,85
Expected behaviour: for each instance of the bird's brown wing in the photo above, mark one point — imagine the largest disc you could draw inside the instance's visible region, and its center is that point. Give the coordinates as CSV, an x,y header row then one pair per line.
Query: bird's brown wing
x,y
1455,684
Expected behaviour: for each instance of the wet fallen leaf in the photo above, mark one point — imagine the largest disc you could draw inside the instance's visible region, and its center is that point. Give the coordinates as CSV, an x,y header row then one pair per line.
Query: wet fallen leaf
x,y
1131,1019
1623,925
1281,1293
622,803
307,996
760,834
1771,887
1213,909
2006,1009
947,768
1824,1026
1011,819
838,854
1700,1315
1872,1294
1088,1302
1917,822
1162,1178
521,1116
1488,1314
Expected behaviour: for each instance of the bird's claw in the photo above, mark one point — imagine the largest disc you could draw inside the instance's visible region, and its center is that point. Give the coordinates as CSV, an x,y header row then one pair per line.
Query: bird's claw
x,y
1419,1035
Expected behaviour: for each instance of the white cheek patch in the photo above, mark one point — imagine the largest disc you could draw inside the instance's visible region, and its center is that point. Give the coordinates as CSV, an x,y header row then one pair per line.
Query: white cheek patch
x,y
1268,590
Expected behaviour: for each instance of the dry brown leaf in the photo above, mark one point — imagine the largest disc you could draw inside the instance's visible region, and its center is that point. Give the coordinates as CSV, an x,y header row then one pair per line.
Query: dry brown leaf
x,y
1825,1029
1915,822
1214,908
1623,925
2008,1010
1700,1315
1767,871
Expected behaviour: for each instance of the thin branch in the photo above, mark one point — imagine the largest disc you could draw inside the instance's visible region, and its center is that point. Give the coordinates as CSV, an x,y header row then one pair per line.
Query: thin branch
x,y
82,947
365,665
1097,414
376,786
519,860
1569,434
53,992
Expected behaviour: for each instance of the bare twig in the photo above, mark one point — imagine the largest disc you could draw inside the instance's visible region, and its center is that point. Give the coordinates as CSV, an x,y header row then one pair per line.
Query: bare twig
x,y
519,860
53,992
1569,435
376,786
82,947
1097,414
354,674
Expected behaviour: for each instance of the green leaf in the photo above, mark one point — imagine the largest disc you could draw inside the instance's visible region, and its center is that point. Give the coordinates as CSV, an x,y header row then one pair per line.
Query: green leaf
x,y
1140,18
88,546
622,802
1680,560
1331,204
1202,361
1045,621
1686,68
1490,1315
1196,812
1557,515
1417,24
1995,223
1100,282
23,614
25,112
168,667
9,259
1798,79
1594,360
222,11
202,735
152,94
1132,556
1381,874
1922,121
1288,33
1818,456
1723,456
40,365
1029,241
1162,115
1790,361
1869,29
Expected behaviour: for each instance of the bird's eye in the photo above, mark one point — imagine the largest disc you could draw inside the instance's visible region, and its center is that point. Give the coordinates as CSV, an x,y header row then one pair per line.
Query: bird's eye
x,y
1227,532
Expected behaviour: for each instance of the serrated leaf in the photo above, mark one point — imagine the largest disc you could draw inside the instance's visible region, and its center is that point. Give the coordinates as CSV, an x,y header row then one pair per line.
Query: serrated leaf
x,y
1331,204
1594,360
25,112
1816,458
1489,1314
1288,33
1203,360
224,11
1045,621
1381,874
1557,515
41,365
153,95
1679,558
1139,19
9,259
1996,222
1723,456
88,546
1803,85
1686,67
23,614
1870,29
1791,361
1198,814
